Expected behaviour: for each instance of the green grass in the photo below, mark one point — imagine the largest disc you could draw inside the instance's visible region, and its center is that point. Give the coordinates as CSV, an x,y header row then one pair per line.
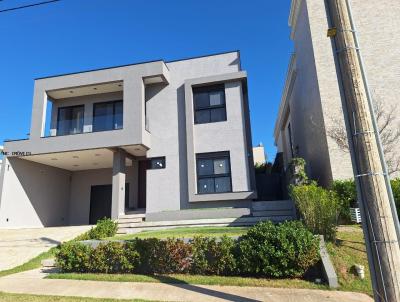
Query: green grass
x,y
186,232
31,264
348,250
192,279
5,297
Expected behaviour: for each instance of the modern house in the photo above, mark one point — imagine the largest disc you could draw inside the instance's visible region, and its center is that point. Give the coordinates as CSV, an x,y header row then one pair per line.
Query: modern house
x,y
311,105
160,137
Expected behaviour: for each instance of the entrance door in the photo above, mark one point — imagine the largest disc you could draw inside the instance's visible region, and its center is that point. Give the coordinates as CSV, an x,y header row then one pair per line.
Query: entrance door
x,y
100,203
142,184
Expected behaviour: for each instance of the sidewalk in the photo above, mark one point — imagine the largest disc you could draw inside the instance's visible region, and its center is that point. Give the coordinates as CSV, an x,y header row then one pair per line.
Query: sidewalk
x,y
32,282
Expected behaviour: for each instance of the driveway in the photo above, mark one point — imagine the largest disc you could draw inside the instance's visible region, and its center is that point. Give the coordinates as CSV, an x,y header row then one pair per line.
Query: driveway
x,y
19,246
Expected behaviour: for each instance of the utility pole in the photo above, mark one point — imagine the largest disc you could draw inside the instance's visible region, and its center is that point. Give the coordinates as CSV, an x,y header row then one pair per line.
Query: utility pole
x,y
378,217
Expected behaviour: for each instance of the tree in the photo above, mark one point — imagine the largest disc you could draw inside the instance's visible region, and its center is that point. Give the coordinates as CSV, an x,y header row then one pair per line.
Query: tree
x,y
388,130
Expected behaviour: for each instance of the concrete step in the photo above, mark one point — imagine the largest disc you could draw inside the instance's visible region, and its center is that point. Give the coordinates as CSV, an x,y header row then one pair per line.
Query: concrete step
x,y
158,225
130,220
275,205
273,213
131,216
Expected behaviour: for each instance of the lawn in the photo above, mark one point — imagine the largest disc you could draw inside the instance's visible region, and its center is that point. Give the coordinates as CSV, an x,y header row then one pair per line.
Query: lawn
x,y
186,232
349,250
193,279
5,297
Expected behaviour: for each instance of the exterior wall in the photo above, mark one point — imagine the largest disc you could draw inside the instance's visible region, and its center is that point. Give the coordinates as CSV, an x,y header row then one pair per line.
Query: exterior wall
x,y
33,195
81,183
378,26
259,155
304,101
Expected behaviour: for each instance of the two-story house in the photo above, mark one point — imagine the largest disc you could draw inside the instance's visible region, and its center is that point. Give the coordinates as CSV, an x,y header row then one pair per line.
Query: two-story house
x,y
158,136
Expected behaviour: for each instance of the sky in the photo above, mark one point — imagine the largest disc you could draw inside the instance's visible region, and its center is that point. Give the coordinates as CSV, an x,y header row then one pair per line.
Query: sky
x,y
76,35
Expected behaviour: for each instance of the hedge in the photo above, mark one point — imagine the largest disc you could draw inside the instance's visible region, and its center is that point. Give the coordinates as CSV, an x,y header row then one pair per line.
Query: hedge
x,y
281,250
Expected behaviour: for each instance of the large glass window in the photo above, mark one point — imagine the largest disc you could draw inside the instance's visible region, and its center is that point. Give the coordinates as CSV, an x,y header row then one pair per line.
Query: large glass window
x,y
107,116
213,173
209,104
70,120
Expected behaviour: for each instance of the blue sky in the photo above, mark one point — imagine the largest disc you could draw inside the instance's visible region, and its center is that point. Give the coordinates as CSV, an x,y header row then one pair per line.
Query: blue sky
x,y
75,35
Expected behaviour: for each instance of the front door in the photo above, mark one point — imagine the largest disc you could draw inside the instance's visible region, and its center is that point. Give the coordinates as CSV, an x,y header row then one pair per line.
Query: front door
x,y
100,203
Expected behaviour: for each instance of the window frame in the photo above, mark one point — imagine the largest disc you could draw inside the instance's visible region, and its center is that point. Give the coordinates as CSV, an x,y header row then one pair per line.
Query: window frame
x,y
58,119
160,158
214,156
209,89
113,114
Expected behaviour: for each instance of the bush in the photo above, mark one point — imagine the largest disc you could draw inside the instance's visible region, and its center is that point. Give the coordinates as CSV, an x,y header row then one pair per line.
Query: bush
x,y
285,250
212,257
73,257
282,250
347,197
104,228
318,208
162,256
111,257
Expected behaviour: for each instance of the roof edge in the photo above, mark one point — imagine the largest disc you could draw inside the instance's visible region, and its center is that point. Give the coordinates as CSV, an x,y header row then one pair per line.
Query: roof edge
x,y
139,63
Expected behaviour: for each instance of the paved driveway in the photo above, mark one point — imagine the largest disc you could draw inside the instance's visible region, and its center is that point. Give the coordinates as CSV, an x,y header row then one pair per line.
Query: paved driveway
x,y
19,246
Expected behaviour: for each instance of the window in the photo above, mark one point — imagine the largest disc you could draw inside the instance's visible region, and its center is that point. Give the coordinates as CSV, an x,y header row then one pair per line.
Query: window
x,y
156,163
213,173
70,120
107,116
209,104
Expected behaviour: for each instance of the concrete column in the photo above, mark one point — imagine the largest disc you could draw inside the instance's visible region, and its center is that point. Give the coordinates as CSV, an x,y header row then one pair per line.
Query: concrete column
x,y
118,184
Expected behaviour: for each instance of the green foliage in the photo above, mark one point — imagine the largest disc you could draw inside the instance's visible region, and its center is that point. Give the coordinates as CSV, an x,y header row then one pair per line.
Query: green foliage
x,y
297,168
104,228
395,183
73,257
212,257
162,256
283,250
111,257
318,208
347,196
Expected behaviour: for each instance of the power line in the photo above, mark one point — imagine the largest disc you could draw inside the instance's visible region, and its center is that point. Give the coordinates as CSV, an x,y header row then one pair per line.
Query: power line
x,y
29,5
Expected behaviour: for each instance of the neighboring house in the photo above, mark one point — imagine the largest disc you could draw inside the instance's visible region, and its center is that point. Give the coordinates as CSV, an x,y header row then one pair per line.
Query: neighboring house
x,y
157,136
311,103
259,155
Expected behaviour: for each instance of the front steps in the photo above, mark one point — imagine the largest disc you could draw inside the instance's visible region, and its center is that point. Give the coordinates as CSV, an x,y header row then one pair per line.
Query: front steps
x,y
276,211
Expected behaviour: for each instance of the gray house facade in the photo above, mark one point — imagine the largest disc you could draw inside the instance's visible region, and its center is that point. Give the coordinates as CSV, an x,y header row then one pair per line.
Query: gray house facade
x,y
311,104
159,137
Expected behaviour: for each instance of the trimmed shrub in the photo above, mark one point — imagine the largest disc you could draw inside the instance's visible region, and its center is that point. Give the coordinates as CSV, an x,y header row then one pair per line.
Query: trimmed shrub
x,y
73,257
162,256
105,227
347,197
318,208
279,251
111,257
212,257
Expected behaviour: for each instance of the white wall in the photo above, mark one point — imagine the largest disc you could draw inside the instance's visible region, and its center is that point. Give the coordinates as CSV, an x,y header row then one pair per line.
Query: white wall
x,y
33,195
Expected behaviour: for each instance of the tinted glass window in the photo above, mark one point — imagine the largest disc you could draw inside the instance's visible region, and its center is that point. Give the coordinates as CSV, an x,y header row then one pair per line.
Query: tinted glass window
x,y
108,116
213,173
209,104
70,120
